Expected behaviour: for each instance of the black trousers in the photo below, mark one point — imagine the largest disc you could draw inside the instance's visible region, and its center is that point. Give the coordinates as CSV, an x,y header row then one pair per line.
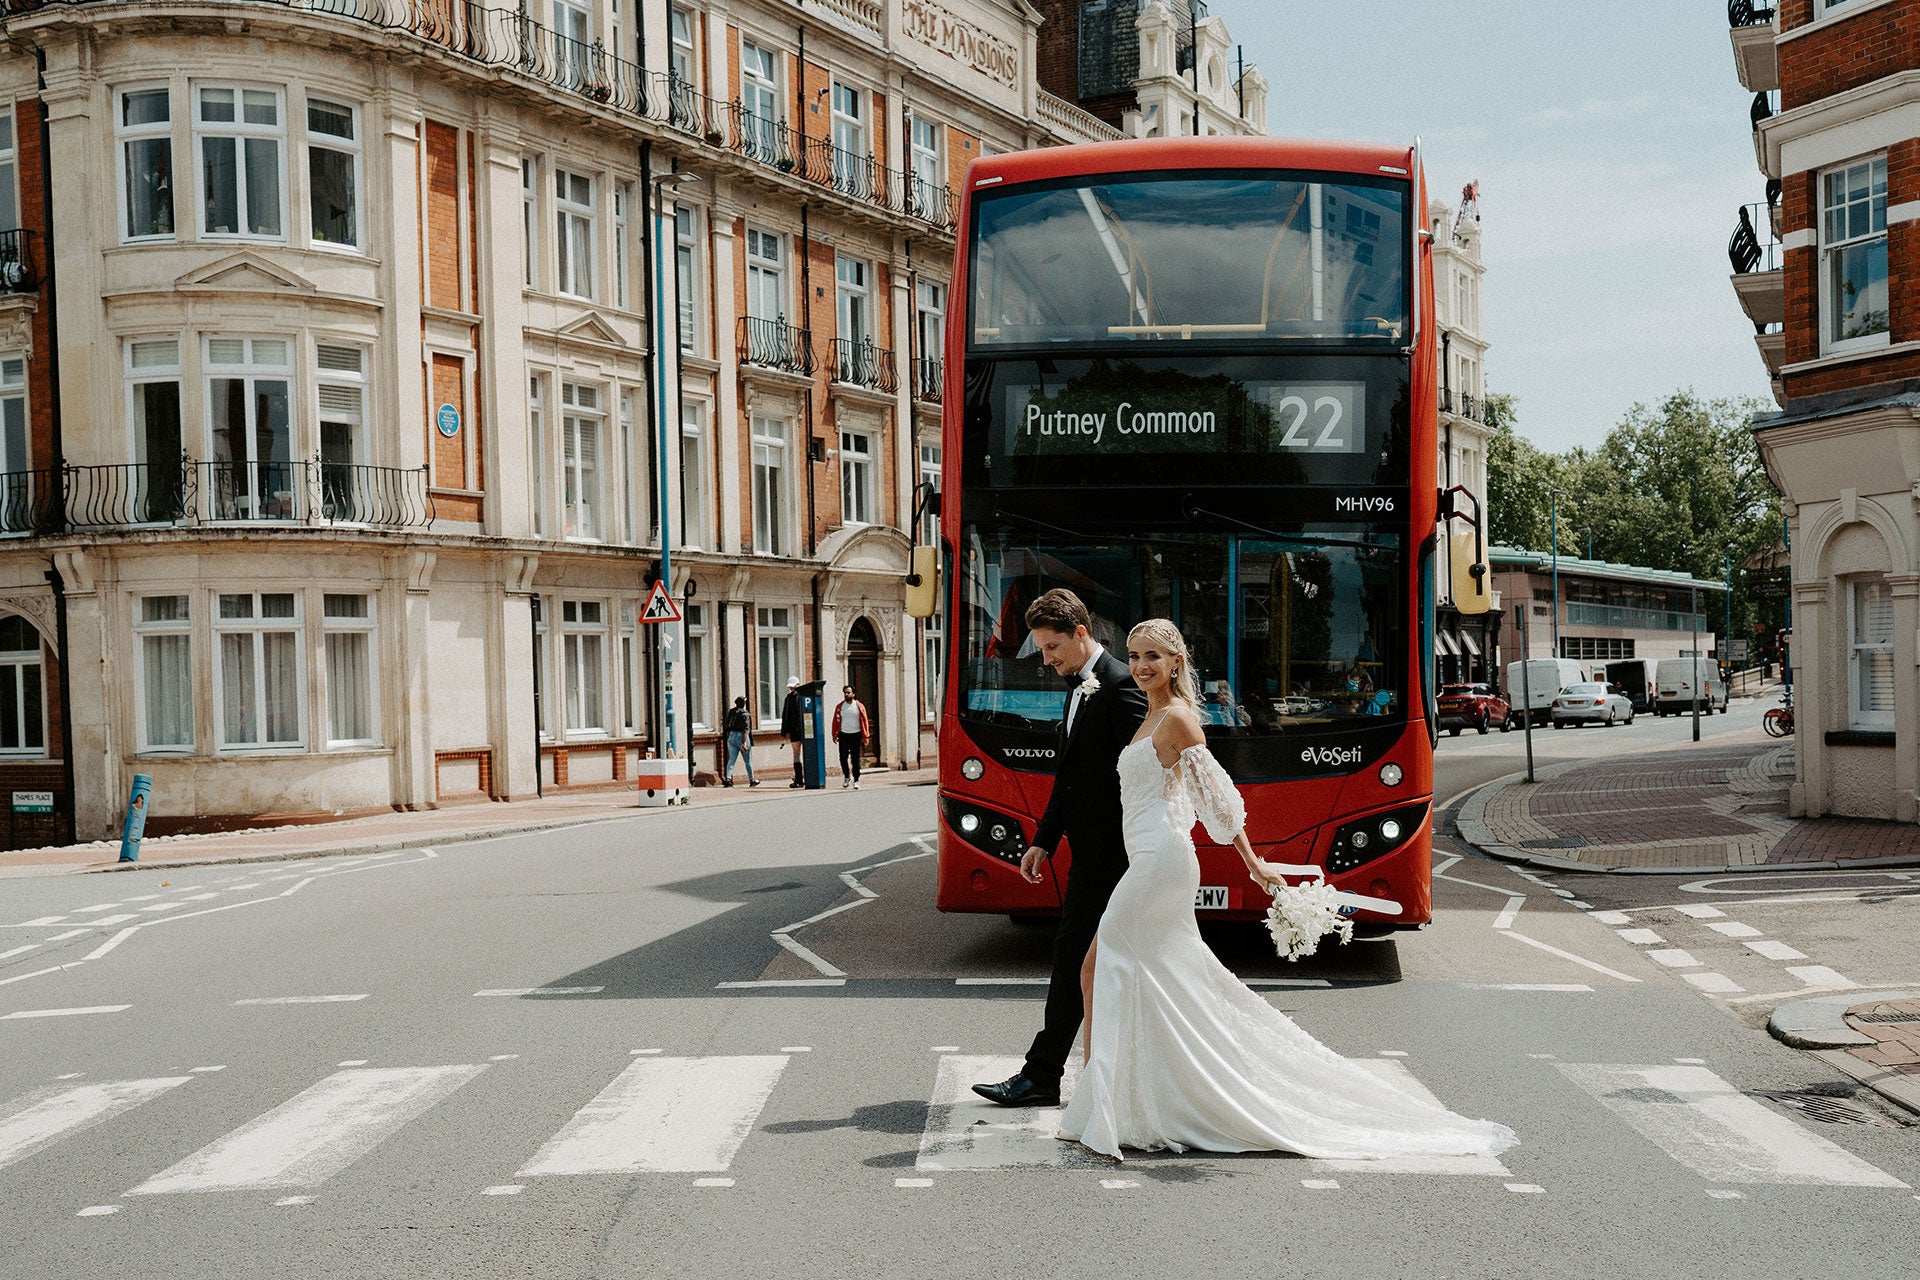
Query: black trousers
x,y
850,750
1088,888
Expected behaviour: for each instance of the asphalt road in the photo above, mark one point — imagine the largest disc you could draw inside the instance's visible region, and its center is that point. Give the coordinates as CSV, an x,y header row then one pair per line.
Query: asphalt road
x,y
590,1053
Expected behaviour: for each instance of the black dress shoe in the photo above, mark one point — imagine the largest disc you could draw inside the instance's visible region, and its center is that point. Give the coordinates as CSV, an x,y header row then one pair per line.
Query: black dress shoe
x,y
1020,1092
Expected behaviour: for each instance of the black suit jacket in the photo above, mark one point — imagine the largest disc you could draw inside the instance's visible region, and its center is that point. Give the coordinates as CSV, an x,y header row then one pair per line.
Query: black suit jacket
x,y
1085,804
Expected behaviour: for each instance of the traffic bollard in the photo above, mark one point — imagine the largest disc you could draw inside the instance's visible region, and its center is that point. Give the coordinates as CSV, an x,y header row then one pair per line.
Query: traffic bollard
x,y
136,824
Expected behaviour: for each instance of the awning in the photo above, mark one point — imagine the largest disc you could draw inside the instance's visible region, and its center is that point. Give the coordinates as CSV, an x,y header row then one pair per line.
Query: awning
x,y
1468,643
1443,645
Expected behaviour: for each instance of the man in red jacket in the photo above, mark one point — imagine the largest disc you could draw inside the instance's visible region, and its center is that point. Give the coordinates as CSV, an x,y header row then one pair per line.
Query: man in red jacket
x,y
851,728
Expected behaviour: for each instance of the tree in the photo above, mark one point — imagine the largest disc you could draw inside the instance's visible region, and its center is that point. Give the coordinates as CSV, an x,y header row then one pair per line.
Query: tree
x,y
1519,474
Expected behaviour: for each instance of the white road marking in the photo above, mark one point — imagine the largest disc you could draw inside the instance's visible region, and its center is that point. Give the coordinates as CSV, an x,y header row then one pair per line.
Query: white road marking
x,y
1545,1056
1320,1184
819,965
1507,913
1692,1062
40,973
1719,1194
143,897
1474,883
1258,983
1526,986
1733,929
353,1062
71,933
509,1189
314,1134
503,1057
97,1211
713,1182
300,999
796,1048
1721,1134
1717,983
779,982
235,888
1446,864
104,906
1673,958
664,1115
285,1201
1568,955
966,1132
541,991
66,1013
1612,917
1562,893
1700,912
913,1182
1819,975
199,897
41,1118
1001,982
107,920
944,1048
1584,906
1641,937
71,1075
31,946
1773,950
1392,1053
198,1071
1526,1189
639,1052
167,906
43,920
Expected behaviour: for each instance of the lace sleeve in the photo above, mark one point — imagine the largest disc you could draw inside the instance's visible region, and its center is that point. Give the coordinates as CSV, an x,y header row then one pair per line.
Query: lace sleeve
x,y
1215,799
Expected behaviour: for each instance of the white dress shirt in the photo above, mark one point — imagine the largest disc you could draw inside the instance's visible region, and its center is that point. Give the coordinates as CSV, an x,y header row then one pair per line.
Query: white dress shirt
x,y
1086,669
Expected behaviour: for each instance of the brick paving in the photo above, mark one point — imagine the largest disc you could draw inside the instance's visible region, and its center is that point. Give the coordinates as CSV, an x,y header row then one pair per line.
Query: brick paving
x,y
1895,1024
1719,804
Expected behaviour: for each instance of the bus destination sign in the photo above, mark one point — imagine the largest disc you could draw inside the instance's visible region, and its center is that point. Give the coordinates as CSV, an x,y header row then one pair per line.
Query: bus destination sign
x,y
1215,416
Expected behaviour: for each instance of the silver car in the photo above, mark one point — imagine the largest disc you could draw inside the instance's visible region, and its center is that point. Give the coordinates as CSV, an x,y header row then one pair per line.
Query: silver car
x,y
1600,703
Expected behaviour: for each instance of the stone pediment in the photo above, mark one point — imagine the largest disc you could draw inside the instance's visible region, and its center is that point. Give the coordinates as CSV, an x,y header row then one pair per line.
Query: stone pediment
x,y
246,271
592,328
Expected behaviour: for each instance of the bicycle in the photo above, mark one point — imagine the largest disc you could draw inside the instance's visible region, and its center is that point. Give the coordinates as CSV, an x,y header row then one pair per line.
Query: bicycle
x,y
1779,722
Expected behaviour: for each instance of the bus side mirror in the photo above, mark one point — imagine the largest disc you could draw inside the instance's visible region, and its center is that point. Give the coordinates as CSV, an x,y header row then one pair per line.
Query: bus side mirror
x,y
923,583
1471,596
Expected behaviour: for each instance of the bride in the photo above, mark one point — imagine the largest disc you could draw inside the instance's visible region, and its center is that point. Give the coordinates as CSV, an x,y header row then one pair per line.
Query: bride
x,y
1179,1053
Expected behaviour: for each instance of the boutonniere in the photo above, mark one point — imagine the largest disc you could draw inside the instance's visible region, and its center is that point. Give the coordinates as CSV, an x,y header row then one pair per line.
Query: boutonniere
x,y
1089,686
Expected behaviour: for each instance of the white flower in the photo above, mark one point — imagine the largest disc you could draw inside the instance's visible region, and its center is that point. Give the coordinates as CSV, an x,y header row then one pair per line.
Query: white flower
x,y
1089,685
1302,914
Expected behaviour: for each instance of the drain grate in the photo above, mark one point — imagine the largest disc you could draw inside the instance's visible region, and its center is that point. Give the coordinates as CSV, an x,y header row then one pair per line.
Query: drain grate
x,y
1827,1109
1885,1017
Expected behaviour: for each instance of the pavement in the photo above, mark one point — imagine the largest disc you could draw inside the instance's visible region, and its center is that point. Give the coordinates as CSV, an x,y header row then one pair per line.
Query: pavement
x,y
387,832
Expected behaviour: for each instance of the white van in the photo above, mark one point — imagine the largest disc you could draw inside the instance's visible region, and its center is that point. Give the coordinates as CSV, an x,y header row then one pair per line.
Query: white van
x,y
1675,687
1636,679
1530,692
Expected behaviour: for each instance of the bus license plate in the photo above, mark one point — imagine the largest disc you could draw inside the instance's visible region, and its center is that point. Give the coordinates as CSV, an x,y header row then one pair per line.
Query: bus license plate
x,y
1210,897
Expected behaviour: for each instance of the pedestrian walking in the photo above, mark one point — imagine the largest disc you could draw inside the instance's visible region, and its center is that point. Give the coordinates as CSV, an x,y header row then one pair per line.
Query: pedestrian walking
x,y
850,725
739,729
793,723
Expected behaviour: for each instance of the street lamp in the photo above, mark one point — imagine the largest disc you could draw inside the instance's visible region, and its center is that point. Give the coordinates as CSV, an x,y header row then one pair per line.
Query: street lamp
x,y
1553,515
658,327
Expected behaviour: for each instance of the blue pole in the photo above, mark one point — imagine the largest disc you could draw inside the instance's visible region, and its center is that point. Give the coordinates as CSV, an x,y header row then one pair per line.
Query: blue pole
x,y
135,826
1553,511
660,444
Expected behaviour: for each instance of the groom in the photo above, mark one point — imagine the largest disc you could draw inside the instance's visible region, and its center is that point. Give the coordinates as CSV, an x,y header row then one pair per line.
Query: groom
x,y
1103,712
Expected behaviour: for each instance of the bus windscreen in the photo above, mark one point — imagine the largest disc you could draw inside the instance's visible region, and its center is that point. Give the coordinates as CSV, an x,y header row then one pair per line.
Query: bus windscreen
x,y
1220,257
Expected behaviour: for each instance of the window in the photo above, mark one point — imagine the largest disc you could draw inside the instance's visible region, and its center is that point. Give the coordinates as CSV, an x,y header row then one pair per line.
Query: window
x,y
634,463
573,205
770,487
699,714
630,664
686,283
342,388
856,478
1870,654
1595,648
760,125
583,628
252,476
542,668
530,217
163,651
1824,7
850,158
933,628
153,395
693,476
351,689
766,277
1853,252
257,681
23,720
622,244
9,190
853,292
683,81
238,135
580,429
925,163
13,416
333,172
572,44
773,628
930,317
537,446
145,129
930,475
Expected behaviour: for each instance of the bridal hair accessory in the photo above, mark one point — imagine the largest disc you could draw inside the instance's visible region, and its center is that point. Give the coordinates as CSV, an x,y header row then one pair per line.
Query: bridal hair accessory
x,y
1302,914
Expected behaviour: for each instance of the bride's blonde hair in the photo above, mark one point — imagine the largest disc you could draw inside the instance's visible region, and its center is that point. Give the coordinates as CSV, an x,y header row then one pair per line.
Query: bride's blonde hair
x,y
1163,635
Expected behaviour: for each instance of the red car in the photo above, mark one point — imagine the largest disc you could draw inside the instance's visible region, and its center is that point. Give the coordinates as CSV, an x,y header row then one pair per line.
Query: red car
x,y
1472,706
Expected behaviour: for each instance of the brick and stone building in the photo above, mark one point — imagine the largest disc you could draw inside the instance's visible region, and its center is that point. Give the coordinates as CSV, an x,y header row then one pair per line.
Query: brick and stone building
x,y
1596,612
1149,68
1824,268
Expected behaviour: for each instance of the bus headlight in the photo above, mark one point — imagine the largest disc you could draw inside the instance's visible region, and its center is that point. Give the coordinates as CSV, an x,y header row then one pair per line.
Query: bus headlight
x,y
1359,840
1375,836
972,769
996,834
1390,831
969,822
1391,774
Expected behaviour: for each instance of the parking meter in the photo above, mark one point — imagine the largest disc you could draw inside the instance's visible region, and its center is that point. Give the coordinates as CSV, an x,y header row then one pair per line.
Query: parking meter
x,y
813,747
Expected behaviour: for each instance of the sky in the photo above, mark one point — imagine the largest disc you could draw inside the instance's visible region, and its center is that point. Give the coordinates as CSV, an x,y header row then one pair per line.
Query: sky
x,y
1613,151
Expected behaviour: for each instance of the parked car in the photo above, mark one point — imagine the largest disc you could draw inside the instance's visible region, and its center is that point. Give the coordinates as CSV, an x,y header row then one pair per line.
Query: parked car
x,y
1533,684
1472,706
1598,703
1680,680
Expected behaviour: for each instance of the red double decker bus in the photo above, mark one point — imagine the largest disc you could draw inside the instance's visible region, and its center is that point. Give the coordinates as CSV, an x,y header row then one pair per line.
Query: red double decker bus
x,y
1194,379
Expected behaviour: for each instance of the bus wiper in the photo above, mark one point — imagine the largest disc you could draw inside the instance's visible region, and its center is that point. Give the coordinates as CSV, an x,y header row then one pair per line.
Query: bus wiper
x,y
1193,512
1041,525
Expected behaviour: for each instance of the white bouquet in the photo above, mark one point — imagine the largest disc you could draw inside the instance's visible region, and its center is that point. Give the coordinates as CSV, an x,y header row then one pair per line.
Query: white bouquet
x,y
1302,914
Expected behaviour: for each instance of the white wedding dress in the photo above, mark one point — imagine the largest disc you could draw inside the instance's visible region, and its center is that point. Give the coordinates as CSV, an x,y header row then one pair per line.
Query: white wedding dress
x,y
1184,1055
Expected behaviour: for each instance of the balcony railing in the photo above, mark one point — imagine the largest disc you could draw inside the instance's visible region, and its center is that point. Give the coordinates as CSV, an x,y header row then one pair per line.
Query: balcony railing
x,y
1765,105
18,271
775,344
1465,405
1745,13
133,495
1745,249
1613,615
929,373
864,365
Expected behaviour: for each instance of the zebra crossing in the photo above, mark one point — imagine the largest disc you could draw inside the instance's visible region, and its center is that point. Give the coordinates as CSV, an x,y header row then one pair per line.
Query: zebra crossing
x,y
664,1115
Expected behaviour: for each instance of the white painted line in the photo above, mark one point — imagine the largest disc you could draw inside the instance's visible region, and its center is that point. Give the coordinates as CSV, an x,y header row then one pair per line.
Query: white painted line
x,y
944,1048
780,982
114,941
713,1182
1612,917
1717,983
66,1013
143,897
541,991
314,1134
509,1189
107,920
638,1052
1544,1056
846,878
1692,1062
796,1048
818,965
1507,913
1526,986
1526,1189
664,1115
1111,1184
1392,1053
1718,1132
201,1071
166,906
104,906
40,973
1673,958
286,1201
913,1182
965,1131
818,916
1773,950
1490,888
97,1211
43,920
1819,975
300,999
1000,982
1641,937
1733,929
1258,983
1584,906
1561,893
1394,1072
71,1075
1568,955
503,1057
1320,1184
31,946
41,1118
1701,913
71,933
235,888
1716,1194
198,897
1447,863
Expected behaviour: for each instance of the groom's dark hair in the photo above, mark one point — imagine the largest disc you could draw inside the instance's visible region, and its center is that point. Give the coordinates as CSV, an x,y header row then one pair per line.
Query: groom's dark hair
x,y
1058,610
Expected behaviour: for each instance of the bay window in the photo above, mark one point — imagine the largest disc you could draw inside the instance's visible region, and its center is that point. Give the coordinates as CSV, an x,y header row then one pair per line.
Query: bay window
x,y
258,688
1870,654
253,475
333,172
348,629
153,391
238,134
342,387
163,672
583,629
144,126
573,245
582,423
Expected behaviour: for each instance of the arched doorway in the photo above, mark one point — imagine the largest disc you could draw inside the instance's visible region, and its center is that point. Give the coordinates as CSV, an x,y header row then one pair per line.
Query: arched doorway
x,y
863,673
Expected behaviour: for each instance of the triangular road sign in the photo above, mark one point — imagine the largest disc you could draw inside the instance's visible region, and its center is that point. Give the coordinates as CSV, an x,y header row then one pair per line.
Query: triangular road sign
x,y
660,607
